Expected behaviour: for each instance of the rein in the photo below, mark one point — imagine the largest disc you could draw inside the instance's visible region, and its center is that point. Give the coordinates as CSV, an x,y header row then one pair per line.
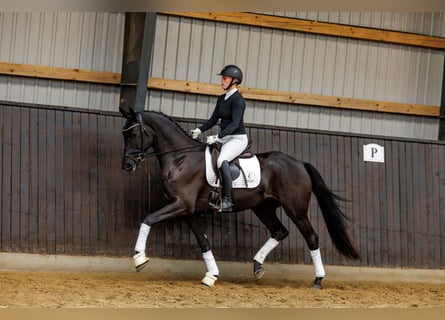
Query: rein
x,y
146,155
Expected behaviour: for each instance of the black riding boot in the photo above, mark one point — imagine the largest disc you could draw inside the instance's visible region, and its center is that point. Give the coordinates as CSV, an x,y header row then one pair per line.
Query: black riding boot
x,y
226,187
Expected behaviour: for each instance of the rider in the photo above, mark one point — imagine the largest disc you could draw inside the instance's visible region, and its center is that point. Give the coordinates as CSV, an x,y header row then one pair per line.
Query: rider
x,y
233,136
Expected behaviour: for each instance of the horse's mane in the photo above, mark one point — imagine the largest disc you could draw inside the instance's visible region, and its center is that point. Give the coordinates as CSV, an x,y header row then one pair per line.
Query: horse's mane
x,y
171,120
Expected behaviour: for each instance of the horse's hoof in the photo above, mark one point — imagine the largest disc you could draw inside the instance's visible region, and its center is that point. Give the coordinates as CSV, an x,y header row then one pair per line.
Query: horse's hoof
x,y
317,283
140,261
259,273
258,270
209,279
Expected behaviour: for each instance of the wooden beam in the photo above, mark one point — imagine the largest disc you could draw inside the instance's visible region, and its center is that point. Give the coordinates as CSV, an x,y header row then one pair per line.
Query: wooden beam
x,y
297,98
309,26
43,72
102,77
139,35
441,135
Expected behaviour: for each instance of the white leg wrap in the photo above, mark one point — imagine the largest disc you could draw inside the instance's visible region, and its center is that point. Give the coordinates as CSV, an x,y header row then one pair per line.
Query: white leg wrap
x,y
318,264
144,230
261,255
210,263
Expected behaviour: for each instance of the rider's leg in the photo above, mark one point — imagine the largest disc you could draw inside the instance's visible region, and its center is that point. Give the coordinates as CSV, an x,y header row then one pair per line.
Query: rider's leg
x,y
232,147
226,187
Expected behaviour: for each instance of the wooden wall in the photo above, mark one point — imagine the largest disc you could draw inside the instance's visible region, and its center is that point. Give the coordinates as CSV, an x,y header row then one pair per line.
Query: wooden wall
x,y
62,192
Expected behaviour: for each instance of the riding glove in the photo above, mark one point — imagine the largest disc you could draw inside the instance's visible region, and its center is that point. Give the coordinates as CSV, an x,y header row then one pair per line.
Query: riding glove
x,y
195,133
213,139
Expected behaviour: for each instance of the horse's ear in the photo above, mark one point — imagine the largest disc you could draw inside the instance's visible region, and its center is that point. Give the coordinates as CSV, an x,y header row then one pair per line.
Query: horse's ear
x,y
127,114
124,113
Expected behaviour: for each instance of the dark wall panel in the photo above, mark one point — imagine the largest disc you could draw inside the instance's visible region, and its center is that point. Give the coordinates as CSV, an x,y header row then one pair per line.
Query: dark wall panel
x,y
62,192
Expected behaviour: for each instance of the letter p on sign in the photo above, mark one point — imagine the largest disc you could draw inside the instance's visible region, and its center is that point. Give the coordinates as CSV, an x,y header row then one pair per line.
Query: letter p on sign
x,y
373,152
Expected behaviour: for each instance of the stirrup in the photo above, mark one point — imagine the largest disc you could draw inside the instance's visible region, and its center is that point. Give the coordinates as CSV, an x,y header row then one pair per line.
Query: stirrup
x,y
214,199
214,206
228,205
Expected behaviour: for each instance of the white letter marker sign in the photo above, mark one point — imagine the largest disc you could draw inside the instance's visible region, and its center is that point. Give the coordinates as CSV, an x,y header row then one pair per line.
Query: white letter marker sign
x,y
373,152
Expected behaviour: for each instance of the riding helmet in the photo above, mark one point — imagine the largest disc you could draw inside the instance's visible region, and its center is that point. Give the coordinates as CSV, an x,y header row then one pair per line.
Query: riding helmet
x,y
232,71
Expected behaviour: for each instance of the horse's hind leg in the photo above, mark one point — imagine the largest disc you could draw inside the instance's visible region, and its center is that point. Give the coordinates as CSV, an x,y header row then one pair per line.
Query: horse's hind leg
x,y
209,260
267,215
311,237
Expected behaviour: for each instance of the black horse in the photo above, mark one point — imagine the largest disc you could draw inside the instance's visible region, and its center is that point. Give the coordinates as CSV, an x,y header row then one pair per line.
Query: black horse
x,y
285,182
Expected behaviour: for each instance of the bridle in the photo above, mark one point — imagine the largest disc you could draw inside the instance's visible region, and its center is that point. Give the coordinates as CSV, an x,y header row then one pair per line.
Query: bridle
x,y
139,155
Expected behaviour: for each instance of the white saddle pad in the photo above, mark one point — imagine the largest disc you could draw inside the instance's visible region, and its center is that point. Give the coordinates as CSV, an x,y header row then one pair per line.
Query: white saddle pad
x,y
250,166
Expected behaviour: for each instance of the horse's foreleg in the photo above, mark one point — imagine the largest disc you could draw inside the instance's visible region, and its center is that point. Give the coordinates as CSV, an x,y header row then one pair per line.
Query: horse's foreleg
x,y
172,210
209,260
212,269
140,260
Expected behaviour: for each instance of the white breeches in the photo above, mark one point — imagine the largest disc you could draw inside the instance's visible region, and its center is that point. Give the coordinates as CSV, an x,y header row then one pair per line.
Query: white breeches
x,y
232,146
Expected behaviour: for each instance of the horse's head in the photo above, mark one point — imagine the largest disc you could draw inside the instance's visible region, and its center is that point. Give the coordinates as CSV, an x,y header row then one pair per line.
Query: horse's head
x,y
137,140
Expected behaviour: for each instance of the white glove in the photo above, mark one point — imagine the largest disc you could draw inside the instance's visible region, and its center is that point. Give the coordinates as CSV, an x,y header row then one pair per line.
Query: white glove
x,y
195,133
213,139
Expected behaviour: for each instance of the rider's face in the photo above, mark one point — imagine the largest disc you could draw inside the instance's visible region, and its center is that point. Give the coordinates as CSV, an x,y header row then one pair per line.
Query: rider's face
x,y
225,82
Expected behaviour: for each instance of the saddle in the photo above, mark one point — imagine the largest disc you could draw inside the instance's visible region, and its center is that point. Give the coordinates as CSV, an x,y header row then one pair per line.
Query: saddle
x,y
247,164
234,165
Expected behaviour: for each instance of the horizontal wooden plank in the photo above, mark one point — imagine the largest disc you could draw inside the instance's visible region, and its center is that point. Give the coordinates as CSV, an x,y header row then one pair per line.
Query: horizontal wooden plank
x,y
310,26
45,72
297,98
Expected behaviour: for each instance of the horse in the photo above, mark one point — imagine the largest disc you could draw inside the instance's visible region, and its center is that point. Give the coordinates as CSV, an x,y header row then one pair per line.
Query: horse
x,y
285,182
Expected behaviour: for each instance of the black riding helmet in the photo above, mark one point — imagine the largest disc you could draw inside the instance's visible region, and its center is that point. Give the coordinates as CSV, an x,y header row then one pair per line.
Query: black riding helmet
x,y
232,71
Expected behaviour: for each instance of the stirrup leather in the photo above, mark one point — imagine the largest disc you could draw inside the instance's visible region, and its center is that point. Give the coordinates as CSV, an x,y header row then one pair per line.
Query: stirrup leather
x,y
214,199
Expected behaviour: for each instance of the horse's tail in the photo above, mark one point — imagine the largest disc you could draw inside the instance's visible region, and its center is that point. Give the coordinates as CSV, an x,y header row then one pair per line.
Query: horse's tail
x,y
332,214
